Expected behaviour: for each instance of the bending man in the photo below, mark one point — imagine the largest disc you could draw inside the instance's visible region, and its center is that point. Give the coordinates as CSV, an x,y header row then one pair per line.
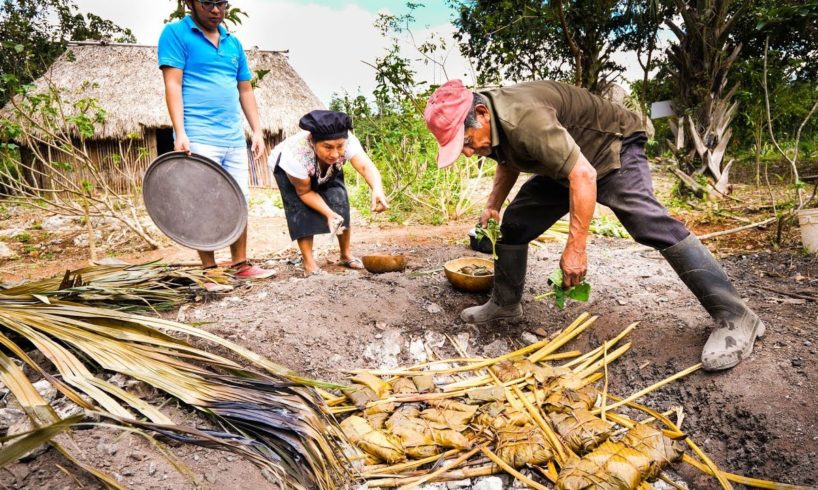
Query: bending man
x,y
582,150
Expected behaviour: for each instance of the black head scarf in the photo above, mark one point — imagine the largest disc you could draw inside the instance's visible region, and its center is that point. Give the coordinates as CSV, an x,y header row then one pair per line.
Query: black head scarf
x,y
326,125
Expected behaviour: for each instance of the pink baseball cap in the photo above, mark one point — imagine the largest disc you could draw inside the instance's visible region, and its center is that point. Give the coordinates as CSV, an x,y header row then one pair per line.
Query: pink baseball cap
x,y
445,115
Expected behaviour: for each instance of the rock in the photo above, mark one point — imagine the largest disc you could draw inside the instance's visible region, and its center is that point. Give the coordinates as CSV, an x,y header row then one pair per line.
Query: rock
x,y
9,417
384,352
45,390
488,483
82,239
434,339
417,351
529,338
107,449
6,252
127,471
119,380
458,484
56,223
495,349
434,308
151,468
66,408
622,301
10,232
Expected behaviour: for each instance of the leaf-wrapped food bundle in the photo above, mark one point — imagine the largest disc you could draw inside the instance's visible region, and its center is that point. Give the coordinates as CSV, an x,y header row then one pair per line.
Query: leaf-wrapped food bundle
x,y
374,383
520,446
640,455
412,432
361,397
404,386
652,443
567,400
425,383
581,430
508,370
374,442
452,419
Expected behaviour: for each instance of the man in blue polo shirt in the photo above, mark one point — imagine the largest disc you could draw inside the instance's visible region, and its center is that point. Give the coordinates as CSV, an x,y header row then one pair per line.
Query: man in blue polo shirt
x,y
207,87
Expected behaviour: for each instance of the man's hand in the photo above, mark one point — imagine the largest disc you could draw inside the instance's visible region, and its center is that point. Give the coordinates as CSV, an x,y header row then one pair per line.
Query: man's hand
x,y
257,144
488,214
574,265
379,203
181,143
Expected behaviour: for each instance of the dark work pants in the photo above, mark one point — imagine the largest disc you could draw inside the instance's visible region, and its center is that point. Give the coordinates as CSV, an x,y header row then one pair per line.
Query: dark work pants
x,y
628,191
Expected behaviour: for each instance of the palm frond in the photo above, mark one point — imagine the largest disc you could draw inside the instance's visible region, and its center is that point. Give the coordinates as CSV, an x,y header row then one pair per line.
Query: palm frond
x,y
274,419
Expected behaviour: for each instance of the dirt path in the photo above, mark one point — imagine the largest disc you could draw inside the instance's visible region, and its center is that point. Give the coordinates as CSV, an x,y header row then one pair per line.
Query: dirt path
x,y
757,419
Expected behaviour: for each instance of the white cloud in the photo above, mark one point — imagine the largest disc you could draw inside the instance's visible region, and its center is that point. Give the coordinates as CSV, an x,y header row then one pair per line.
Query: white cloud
x,y
327,45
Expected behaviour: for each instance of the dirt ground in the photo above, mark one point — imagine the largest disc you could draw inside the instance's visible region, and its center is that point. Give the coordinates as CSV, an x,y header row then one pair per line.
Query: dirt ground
x,y
757,419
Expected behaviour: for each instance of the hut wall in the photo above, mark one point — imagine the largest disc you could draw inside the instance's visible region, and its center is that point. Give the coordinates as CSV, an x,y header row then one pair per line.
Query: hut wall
x,y
121,163
260,174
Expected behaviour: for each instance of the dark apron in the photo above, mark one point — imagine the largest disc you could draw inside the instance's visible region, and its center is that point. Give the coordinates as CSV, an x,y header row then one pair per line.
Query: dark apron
x,y
302,220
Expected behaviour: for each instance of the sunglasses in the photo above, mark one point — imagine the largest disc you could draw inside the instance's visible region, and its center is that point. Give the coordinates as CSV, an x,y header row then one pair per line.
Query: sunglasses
x,y
209,4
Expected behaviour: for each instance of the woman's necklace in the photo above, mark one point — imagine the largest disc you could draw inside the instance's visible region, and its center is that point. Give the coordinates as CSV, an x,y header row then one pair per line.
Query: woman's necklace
x,y
327,175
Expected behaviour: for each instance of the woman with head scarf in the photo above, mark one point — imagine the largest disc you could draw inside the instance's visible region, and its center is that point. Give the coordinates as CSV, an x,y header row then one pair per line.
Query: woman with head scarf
x,y
308,168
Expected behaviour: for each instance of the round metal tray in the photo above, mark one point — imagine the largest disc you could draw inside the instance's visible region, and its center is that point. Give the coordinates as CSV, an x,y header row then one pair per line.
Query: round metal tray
x,y
194,201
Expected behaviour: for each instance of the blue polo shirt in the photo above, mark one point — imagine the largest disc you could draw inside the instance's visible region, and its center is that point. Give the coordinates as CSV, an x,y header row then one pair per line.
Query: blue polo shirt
x,y
210,94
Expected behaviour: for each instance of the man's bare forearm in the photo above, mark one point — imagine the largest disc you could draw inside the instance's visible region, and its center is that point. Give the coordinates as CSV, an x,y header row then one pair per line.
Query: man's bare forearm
x,y
504,180
247,99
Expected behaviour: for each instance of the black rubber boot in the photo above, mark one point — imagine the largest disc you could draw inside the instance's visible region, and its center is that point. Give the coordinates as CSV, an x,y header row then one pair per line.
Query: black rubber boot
x,y
509,279
738,326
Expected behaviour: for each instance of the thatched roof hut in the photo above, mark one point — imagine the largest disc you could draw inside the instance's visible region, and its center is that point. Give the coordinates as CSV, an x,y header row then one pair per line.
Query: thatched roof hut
x,y
127,83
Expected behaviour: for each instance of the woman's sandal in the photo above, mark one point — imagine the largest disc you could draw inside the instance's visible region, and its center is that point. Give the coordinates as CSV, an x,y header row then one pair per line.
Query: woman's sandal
x,y
353,263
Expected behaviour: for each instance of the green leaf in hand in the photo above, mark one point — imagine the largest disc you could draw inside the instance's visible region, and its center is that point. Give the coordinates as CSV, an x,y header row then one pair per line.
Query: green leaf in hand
x,y
492,232
580,292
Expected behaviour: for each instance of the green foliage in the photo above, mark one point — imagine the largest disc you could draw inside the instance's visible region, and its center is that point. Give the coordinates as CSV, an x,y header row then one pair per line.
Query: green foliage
x,y
530,39
233,16
396,138
23,237
580,292
36,32
492,232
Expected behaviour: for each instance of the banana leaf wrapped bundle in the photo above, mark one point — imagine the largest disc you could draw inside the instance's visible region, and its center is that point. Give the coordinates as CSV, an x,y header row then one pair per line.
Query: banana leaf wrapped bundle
x,y
412,433
381,388
407,418
361,397
508,370
566,400
581,430
425,383
621,465
497,415
661,450
453,418
521,446
372,441
404,386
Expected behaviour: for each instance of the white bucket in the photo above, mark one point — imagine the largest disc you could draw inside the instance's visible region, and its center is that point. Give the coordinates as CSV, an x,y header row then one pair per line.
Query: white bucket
x,y
808,220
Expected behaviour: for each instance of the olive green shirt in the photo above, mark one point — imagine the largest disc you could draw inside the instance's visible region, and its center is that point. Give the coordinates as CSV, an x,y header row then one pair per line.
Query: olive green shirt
x,y
541,128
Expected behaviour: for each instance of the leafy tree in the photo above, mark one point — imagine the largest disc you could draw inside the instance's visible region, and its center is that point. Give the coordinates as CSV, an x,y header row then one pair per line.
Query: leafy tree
x,y
518,40
232,16
700,64
35,33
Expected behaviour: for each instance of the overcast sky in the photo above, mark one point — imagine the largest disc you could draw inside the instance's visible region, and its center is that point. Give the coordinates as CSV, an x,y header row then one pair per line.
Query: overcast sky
x,y
328,40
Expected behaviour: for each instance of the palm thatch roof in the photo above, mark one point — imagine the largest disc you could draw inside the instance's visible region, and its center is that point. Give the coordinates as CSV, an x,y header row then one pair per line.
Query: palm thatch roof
x,y
127,83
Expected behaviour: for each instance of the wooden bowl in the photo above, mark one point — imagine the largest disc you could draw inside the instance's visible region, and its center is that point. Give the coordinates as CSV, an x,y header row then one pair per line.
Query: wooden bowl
x,y
466,282
378,264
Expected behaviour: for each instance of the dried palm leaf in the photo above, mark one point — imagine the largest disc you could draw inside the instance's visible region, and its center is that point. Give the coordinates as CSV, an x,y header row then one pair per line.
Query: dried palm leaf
x,y
581,430
521,446
376,443
425,383
280,423
361,397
